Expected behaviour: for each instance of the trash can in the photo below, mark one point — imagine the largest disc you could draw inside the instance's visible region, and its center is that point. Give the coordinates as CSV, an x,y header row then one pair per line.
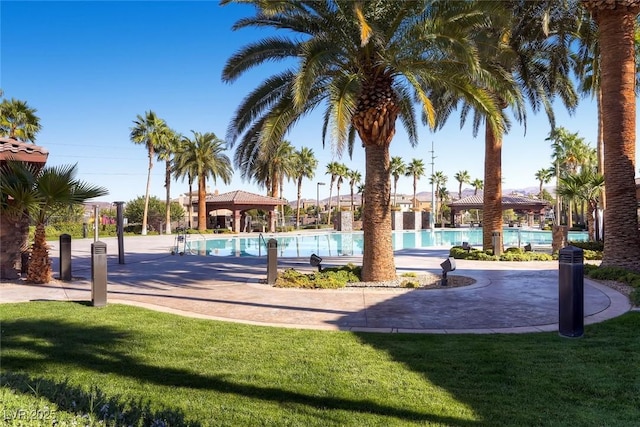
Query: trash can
x,y
571,292
272,261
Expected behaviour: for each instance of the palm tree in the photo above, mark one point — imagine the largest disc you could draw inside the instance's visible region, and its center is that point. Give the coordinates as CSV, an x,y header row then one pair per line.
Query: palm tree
x,y
443,196
183,168
570,154
397,168
151,131
544,176
206,159
525,48
616,23
439,179
462,177
41,193
304,166
367,63
169,147
415,169
355,177
341,174
18,120
333,169
477,184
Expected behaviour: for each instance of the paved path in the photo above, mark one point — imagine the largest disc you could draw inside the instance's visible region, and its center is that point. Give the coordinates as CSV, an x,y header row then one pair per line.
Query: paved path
x,y
506,298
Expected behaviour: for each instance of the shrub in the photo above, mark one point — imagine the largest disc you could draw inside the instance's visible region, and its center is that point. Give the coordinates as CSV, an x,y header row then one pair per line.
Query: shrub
x,y
409,284
617,274
511,254
329,278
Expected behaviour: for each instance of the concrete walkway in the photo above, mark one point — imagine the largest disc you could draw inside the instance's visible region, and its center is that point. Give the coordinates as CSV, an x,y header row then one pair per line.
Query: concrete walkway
x,y
507,297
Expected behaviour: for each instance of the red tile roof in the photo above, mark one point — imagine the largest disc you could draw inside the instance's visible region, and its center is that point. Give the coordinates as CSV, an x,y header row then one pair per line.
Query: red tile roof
x,y
12,149
240,197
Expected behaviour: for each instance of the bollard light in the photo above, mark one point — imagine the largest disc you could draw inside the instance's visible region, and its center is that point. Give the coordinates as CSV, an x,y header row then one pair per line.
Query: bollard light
x,y
315,261
448,265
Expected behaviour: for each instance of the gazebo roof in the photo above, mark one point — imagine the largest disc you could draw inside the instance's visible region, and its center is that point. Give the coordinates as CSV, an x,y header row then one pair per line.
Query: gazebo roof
x,y
13,149
241,200
508,202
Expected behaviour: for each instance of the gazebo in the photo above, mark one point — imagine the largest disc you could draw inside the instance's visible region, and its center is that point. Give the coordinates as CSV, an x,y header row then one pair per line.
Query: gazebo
x,y
518,203
240,201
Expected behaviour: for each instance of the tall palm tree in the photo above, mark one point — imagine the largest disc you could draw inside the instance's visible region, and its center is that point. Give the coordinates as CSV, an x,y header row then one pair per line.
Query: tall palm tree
x,y
477,184
355,177
525,48
544,176
443,196
616,23
183,168
150,131
333,169
170,145
397,168
341,174
462,177
206,159
304,166
41,193
438,179
367,63
18,120
415,169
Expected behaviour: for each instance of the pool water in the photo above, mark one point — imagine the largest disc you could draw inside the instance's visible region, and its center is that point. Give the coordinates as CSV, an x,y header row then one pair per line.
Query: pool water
x,y
347,244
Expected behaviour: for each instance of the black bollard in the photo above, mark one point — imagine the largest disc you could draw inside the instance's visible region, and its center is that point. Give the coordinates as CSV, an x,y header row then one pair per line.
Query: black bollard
x,y
99,274
65,257
272,261
571,292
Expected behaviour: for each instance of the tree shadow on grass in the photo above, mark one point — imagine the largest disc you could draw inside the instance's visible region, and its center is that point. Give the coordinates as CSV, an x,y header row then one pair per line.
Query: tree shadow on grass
x,y
38,343
94,403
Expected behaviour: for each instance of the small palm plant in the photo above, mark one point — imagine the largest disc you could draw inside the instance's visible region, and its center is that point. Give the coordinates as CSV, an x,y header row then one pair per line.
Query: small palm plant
x,y
40,194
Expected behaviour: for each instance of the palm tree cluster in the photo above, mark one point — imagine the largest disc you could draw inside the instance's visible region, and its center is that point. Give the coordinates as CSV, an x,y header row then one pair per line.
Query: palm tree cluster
x,y
575,166
368,62
200,157
338,173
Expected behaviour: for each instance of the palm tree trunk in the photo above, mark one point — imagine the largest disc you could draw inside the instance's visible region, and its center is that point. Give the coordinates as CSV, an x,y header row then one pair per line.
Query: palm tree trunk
x,y
298,205
146,196
377,260
622,237
600,144
202,203
492,195
167,185
330,196
415,189
14,233
39,264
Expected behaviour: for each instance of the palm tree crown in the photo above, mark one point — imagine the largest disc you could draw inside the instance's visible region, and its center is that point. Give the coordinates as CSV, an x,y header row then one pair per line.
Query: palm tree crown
x,y
18,120
367,63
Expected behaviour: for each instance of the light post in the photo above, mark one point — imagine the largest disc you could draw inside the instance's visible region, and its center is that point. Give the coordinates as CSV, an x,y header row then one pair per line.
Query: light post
x,y
318,204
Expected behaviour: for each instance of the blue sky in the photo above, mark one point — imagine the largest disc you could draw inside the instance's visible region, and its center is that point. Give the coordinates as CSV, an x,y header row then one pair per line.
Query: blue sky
x,y
89,68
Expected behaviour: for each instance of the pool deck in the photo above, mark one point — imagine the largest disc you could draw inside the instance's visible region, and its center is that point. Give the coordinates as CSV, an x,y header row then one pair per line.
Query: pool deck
x,y
507,297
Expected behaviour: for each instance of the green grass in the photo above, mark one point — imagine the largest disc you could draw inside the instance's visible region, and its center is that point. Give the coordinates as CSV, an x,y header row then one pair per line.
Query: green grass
x,y
79,365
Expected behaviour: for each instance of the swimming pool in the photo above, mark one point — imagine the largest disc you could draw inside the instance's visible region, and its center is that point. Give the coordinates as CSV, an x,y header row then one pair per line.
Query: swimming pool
x,y
347,244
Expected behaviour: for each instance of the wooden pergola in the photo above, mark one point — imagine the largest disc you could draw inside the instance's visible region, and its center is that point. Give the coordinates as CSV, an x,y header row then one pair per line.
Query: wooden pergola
x,y
520,204
239,202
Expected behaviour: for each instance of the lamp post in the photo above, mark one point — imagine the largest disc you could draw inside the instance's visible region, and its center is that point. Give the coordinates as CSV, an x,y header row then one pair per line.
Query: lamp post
x,y
318,204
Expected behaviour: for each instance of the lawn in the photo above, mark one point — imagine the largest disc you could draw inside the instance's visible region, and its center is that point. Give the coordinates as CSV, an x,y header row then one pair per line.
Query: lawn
x,y
78,365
